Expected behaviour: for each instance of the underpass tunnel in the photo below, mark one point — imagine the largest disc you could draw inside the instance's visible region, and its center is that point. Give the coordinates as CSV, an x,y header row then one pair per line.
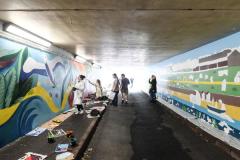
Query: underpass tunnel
x,y
191,47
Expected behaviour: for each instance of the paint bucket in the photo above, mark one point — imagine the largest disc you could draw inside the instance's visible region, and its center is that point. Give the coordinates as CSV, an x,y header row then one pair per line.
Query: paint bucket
x,y
51,140
73,141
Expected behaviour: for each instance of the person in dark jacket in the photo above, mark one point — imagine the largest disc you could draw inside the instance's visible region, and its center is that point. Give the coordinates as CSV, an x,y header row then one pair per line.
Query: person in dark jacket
x,y
153,88
124,88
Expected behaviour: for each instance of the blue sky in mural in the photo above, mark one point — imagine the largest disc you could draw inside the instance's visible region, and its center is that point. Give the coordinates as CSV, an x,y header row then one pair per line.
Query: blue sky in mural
x,y
231,41
13,47
5,45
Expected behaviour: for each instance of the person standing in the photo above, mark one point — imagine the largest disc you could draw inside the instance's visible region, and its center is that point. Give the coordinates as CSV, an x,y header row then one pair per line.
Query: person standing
x,y
124,88
78,89
153,88
98,86
131,80
115,89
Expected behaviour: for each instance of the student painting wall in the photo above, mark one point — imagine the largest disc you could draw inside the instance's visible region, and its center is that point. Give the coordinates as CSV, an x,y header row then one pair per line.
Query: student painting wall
x,y
205,82
34,87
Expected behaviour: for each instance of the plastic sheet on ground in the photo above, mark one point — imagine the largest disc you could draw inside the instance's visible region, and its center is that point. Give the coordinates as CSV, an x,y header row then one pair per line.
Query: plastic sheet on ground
x,y
65,156
57,132
89,116
36,132
61,148
33,156
100,108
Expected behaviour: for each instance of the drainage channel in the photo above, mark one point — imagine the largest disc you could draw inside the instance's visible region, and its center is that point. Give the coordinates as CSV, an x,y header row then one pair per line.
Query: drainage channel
x,y
87,138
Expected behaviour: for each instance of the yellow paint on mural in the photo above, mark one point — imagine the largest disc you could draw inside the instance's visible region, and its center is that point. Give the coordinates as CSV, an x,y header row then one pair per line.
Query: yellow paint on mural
x,y
7,113
181,95
40,91
232,111
65,97
204,104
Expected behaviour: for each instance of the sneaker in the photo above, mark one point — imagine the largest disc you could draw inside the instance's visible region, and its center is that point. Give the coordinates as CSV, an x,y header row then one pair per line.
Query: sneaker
x,y
126,102
81,112
77,112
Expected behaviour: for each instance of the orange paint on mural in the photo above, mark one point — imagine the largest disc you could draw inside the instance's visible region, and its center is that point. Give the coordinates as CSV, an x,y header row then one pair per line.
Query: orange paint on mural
x,y
79,66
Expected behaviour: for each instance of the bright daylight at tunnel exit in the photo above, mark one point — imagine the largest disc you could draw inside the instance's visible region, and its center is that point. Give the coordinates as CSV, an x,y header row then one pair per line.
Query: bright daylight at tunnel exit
x,y
119,80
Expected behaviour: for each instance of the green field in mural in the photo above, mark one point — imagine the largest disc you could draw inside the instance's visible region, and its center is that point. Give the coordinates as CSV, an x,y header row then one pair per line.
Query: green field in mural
x,y
205,81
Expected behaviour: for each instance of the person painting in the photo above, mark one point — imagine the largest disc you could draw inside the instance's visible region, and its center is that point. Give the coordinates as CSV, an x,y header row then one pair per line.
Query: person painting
x,y
124,88
78,89
115,89
98,87
153,88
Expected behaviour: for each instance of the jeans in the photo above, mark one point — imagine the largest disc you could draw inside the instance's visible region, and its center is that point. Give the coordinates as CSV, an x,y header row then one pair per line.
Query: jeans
x,y
115,99
152,96
124,95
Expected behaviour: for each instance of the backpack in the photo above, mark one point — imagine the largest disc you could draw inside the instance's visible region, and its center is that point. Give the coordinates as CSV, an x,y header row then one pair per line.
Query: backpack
x,y
94,112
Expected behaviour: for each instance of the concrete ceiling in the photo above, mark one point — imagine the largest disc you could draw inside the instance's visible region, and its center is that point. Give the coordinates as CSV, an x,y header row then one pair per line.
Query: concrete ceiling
x,y
131,32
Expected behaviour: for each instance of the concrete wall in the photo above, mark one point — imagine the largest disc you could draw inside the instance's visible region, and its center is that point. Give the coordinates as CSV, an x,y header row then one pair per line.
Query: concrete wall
x,y
204,82
34,86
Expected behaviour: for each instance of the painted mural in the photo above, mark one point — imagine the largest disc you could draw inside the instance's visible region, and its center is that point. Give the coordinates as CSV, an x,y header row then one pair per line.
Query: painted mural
x,y
34,87
205,82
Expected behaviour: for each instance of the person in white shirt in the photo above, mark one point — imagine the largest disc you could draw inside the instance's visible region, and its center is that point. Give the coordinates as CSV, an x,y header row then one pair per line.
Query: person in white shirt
x,y
115,89
78,89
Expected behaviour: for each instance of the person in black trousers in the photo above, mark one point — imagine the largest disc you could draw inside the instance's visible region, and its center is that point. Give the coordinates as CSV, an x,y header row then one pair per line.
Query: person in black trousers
x,y
124,88
153,88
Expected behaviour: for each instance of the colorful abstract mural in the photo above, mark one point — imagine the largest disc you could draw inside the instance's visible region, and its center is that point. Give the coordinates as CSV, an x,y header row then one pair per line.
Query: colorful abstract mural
x,y
34,87
205,82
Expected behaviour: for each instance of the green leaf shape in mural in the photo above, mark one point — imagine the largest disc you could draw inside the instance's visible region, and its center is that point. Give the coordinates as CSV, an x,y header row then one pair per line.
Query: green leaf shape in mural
x,y
26,85
2,91
9,57
11,89
20,87
22,57
10,81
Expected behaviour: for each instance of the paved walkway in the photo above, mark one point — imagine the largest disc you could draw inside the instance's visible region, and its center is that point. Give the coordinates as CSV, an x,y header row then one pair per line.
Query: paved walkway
x,y
145,131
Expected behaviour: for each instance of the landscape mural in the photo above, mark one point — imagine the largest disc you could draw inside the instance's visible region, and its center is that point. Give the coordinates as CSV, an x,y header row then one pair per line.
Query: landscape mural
x,y
35,86
205,82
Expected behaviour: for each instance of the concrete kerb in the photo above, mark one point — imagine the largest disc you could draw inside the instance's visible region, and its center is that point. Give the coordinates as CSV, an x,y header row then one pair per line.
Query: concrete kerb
x,y
86,138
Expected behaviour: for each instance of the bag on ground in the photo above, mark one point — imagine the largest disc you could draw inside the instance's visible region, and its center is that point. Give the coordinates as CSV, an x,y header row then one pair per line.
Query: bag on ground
x,y
112,95
94,112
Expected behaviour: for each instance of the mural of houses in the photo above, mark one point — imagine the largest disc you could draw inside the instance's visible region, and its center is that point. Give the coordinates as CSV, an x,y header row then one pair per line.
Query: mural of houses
x,y
227,57
221,59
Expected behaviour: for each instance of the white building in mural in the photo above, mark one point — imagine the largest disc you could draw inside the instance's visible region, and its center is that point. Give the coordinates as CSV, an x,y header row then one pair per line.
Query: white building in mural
x,y
237,77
